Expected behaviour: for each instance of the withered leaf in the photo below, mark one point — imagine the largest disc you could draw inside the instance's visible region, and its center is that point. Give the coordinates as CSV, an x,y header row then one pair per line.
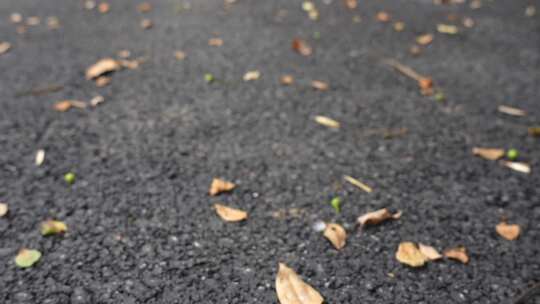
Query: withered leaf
x,y
144,7
230,214
327,121
511,111
351,4
252,75
27,257
102,81
319,85
517,166
215,42
3,209
146,24
96,100
534,131
336,235
180,55
376,217
410,255
131,64
219,185
15,18
429,252
4,47
358,183
124,54
301,47
399,26
33,20
424,39
287,79
383,16
104,7
447,29
101,67
53,227
508,231
64,105
291,289
468,22
488,153
457,253
40,157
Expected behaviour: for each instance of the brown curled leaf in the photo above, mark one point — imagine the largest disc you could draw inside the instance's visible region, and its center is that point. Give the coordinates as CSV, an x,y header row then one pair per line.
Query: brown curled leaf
x,y
229,214
376,217
291,289
336,234
219,185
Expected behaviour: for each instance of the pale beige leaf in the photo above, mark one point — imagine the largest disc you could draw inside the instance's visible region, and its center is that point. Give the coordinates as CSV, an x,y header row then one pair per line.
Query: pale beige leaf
x,y
252,75
180,55
230,214
409,254
287,79
3,209
146,24
511,111
376,217
102,81
4,47
488,153
351,4
319,85
336,235
291,289
517,166
96,100
358,183
219,185
424,39
40,157
508,231
215,42
447,29
429,252
327,121
457,253
101,67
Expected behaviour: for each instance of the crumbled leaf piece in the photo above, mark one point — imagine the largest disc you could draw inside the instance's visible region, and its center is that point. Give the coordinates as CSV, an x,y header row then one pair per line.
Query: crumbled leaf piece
x,y
33,21
534,131
96,100
252,75
40,157
399,26
219,186
320,85
101,67
180,55
69,178
90,4
53,227
124,54
468,22
104,7
208,77
308,6
313,14
429,252
327,122
27,257
383,16
351,4
508,231
356,19
475,4
530,11
447,29
3,209
4,47
517,166
53,23
102,81
336,235
15,18
291,289
131,64
301,47
144,7
376,217
415,50
146,24
287,79
424,39
511,111
410,255
64,105
512,154
215,42
336,204
488,153
358,183
457,253
439,96
230,214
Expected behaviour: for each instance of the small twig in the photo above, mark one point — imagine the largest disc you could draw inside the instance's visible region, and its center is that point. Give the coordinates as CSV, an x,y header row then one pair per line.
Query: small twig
x,y
528,294
407,71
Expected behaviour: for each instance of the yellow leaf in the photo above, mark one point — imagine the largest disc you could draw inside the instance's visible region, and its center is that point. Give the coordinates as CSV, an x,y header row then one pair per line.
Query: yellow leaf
x,y
508,231
409,254
327,121
336,235
457,253
3,209
376,217
511,111
53,227
429,252
424,39
447,29
358,183
27,257
219,185
291,289
101,67
230,214
252,75
488,153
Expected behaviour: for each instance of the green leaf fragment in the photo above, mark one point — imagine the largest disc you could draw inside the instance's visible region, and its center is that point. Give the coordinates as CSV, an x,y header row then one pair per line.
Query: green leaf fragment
x,y
336,204
512,154
208,77
27,258
69,177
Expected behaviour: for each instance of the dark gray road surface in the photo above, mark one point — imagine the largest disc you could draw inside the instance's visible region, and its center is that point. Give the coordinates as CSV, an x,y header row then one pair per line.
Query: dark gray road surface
x,y
141,226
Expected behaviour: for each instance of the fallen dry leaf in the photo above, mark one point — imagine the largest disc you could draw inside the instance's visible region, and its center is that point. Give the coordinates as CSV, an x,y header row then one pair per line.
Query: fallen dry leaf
x,y
319,85
40,157
508,231
4,47
180,55
230,214
517,166
410,255
219,185
447,29
399,26
131,64
301,47
291,289
96,100
27,257
3,209
358,183
90,4
102,81
429,252
336,235
33,21
424,39
287,79
144,7
376,217
534,131
124,54
53,227
15,18
415,50
425,83
457,253
327,121
103,66
468,22
252,75
104,7
215,42
53,23
511,111
146,24
488,153
351,4
530,11
383,16
64,105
